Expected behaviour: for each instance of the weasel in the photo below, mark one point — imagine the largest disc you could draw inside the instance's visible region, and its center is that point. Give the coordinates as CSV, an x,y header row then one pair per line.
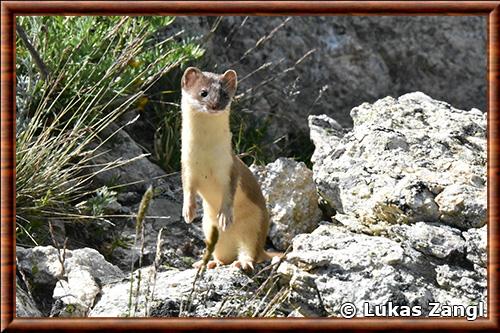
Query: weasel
x,y
232,198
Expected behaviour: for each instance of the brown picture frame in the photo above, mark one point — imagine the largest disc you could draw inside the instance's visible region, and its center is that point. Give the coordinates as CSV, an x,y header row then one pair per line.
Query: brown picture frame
x,y
9,9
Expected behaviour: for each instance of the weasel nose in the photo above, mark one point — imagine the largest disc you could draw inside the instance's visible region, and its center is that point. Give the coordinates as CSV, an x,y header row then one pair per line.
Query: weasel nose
x,y
214,106
221,103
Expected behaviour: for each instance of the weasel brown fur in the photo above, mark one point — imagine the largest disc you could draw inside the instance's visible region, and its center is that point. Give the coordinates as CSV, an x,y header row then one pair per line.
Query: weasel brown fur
x,y
232,198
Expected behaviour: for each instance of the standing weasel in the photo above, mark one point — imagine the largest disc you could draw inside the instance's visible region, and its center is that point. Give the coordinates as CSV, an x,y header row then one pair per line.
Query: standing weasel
x,y
232,198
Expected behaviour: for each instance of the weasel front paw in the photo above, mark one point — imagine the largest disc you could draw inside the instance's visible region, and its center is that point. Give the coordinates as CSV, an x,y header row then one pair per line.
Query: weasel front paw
x,y
225,218
189,211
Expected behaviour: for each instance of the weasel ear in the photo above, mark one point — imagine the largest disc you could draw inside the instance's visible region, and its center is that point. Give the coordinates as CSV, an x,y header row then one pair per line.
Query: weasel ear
x,y
191,74
230,79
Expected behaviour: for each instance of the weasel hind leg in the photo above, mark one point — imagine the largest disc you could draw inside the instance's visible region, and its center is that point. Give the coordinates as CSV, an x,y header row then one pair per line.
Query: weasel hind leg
x,y
226,249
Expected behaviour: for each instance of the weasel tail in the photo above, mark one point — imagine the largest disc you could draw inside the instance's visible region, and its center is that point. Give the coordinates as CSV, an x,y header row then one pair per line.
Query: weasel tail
x,y
232,198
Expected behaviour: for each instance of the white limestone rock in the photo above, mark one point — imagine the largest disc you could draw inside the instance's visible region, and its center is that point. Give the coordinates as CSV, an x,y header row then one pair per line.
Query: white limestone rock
x,y
291,198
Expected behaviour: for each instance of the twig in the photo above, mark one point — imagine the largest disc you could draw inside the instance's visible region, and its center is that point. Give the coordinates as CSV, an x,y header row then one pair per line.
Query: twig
x,y
210,242
44,71
60,256
264,299
261,41
320,299
229,37
278,298
210,33
269,280
239,97
150,296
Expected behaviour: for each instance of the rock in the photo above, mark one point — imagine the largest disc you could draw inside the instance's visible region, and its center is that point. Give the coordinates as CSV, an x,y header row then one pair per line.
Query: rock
x,y
413,171
291,198
326,242
75,295
219,290
476,244
128,198
68,292
25,305
354,59
351,223
181,243
408,185
120,147
432,239
463,205
462,286
332,266
326,134
40,263
406,160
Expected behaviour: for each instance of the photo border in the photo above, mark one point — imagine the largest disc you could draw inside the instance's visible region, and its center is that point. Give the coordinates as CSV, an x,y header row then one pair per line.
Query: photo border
x,y
9,9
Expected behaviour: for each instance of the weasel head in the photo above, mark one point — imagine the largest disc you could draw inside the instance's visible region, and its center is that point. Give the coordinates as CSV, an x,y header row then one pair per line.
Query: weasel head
x,y
208,92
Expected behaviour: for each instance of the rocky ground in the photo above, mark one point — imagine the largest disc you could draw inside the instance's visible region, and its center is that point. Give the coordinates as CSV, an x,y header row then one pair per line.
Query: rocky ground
x,y
402,220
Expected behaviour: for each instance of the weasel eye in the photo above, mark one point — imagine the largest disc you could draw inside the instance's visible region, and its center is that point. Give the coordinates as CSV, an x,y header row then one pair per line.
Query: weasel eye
x,y
204,93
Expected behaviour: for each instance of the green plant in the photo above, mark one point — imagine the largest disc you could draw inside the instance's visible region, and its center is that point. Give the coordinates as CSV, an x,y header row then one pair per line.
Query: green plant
x,y
249,137
97,68
167,144
97,204
127,51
